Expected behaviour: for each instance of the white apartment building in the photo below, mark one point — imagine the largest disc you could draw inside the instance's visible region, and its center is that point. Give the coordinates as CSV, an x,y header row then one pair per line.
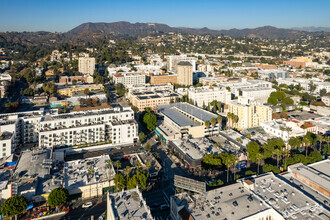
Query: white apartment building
x,y
86,65
260,95
129,79
206,94
50,129
172,62
279,128
89,127
243,83
271,75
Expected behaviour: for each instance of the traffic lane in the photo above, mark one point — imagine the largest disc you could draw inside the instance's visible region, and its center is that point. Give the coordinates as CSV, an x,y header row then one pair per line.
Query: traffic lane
x,y
96,210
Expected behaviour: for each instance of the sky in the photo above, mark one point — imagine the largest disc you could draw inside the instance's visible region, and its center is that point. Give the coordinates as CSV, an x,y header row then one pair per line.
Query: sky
x,y
63,15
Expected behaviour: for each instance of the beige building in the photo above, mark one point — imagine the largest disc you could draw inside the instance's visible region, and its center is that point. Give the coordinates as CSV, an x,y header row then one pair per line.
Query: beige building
x,y
67,91
184,73
250,114
142,100
86,65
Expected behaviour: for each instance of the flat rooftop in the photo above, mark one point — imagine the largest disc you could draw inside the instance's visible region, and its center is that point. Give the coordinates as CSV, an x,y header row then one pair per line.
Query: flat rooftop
x,y
129,204
229,202
290,202
179,112
76,172
32,164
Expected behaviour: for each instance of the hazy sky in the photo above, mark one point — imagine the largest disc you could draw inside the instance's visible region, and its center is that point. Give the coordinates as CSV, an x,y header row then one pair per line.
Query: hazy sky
x,y
63,15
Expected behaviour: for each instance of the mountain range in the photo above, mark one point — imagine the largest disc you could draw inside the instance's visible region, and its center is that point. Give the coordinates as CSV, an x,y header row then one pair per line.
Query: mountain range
x,y
126,28
92,32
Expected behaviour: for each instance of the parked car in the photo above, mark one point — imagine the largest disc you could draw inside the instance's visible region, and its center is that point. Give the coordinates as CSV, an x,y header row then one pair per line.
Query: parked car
x,y
109,149
87,205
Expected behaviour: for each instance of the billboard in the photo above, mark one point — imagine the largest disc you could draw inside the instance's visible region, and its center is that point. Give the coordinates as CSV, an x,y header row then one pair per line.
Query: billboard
x,y
189,184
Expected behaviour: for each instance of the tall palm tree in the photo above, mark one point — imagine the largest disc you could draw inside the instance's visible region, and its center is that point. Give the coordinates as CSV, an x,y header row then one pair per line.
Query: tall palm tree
x,y
306,142
259,156
213,122
286,153
118,165
235,163
219,120
228,160
278,152
127,171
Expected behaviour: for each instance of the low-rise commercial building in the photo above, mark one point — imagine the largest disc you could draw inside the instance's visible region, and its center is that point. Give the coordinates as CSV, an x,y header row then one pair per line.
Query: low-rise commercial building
x,y
91,177
202,96
128,204
142,100
260,95
243,83
69,90
183,119
163,79
75,79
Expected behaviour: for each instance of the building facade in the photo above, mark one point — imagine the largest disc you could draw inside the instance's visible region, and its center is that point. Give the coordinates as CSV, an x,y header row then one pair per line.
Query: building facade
x,y
206,94
185,73
129,79
86,65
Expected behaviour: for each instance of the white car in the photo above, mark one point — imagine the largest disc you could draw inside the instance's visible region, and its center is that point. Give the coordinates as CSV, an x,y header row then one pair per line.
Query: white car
x,y
87,204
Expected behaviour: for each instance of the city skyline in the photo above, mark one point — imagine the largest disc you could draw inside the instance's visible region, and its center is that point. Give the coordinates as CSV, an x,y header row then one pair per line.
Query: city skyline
x,y
61,16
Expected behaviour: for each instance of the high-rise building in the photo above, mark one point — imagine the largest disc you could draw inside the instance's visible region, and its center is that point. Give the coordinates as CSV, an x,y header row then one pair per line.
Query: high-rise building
x,y
173,61
86,65
184,73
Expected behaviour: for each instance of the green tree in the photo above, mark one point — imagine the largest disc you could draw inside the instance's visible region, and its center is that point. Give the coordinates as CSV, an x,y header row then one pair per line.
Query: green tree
x,y
228,160
253,148
142,137
118,165
119,182
148,147
132,182
270,168
323,92
14,206
207,124
58,197
212,160
150,120
127,171
87,91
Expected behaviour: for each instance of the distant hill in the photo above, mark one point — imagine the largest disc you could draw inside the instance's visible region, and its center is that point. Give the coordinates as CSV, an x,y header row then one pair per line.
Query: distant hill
x,y
93,32
126,28
312,29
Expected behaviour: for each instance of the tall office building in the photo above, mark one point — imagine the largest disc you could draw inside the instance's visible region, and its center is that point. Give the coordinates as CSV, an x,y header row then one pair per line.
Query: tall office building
x,y
184,73
172,62
86,65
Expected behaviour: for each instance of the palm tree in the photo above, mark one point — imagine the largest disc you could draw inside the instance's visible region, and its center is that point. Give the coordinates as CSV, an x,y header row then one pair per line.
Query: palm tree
x,y
259,156
219,119
219,105
213,122
207,125
108,164
90,171
127,171
286,153
306,142
228,160
229,116
235,163
118,165
278,152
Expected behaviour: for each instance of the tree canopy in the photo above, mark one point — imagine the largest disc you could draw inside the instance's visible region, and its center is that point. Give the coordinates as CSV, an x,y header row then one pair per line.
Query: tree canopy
x,y
58,197
14,206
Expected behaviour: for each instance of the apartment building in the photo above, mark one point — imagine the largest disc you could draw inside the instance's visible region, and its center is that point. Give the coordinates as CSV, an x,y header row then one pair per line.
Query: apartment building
x,y
89,127
260,95
69,90
243,83
50,129
271,75
71,79
163,79
185,73
172,62
86,65
206,94
150,88
129,79
151,99
250,114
